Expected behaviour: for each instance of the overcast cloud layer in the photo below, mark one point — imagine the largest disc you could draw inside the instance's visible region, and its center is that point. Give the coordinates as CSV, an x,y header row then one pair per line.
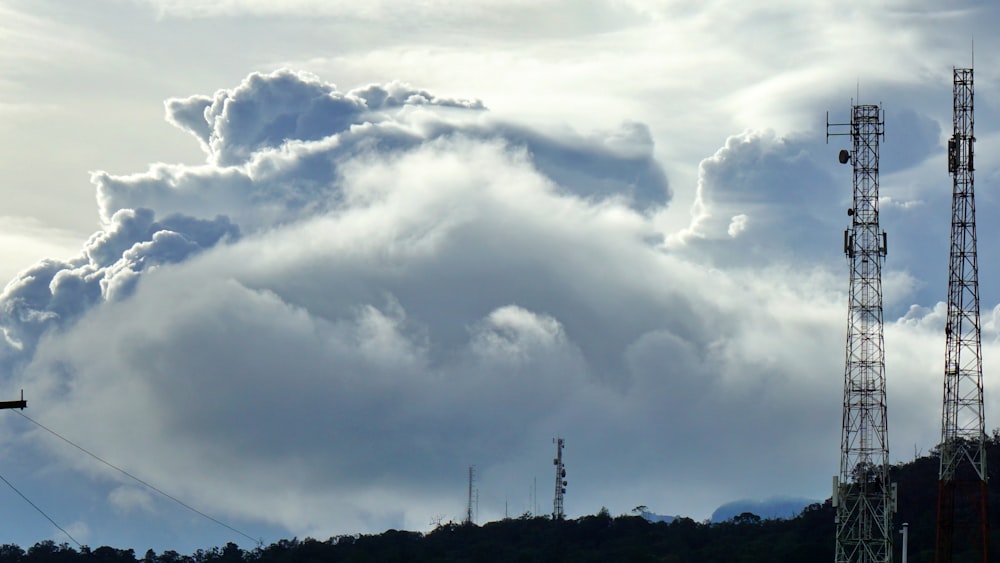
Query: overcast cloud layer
x,y
356,292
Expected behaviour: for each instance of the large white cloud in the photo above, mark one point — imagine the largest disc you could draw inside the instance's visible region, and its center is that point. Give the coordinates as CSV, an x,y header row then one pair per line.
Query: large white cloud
x,y
352,290
359,293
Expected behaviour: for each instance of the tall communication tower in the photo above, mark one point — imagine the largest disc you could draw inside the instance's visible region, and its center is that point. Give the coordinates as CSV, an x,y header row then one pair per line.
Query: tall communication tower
x,y
557,503
962,494
863,496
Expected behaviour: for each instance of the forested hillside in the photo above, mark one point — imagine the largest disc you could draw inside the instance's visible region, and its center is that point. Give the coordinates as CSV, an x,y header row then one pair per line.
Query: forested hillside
x,y
600,537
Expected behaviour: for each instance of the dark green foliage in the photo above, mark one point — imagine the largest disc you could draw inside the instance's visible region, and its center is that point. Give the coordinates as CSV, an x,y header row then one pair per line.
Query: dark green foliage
x,y
10,553
599,537
747,538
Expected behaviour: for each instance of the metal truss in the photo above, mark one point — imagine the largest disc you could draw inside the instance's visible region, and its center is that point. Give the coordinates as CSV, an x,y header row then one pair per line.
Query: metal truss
x,y
864,498
962,493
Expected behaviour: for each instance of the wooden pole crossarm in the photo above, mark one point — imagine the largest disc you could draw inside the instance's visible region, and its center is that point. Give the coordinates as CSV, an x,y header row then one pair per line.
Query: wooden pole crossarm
x,y
21,404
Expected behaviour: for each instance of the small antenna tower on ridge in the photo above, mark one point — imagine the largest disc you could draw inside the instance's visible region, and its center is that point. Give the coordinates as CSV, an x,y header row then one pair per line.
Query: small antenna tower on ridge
x,y
468,511
557,503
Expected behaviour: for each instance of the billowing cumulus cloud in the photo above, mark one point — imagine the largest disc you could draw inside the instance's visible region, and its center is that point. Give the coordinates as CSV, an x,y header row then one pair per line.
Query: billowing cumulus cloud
x,y
415,286
762,198
55,292
268,110
358,294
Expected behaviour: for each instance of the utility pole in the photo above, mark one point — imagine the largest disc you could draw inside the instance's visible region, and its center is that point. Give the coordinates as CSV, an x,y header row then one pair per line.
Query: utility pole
x,y
557,503
962,494
906,539
863,496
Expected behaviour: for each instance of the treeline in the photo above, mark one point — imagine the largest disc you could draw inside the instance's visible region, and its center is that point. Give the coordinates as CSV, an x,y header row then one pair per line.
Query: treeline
x,y
600,537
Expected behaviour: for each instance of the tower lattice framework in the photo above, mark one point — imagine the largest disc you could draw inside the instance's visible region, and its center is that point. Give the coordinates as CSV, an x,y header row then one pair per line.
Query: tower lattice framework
x,y
863,496
962,494
557,502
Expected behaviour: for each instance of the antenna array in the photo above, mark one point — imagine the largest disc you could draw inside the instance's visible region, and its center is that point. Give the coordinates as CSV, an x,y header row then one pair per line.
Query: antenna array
x,y
557,503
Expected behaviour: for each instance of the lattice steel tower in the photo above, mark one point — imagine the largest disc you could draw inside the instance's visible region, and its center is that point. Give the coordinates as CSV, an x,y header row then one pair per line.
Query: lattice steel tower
x,y
863,496
468,510
962,493
557,503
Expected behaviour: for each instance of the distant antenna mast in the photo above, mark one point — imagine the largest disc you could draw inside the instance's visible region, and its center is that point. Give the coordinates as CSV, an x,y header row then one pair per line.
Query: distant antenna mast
x,y
962,474
468,510
557,503
863,496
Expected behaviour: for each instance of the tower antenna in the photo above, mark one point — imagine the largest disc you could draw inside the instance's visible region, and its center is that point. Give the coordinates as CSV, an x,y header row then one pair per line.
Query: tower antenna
x,y
962,494
468,511
863,497
557,503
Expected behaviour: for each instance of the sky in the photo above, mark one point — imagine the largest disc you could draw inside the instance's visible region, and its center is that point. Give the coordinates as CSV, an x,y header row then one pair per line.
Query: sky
x,y
300,264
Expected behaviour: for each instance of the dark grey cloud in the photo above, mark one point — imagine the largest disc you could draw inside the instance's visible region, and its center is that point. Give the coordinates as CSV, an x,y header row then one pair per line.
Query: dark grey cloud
x,y
911,137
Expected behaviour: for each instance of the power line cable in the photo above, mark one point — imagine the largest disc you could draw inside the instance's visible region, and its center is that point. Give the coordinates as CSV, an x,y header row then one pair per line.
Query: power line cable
x,y
138,480
40,511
